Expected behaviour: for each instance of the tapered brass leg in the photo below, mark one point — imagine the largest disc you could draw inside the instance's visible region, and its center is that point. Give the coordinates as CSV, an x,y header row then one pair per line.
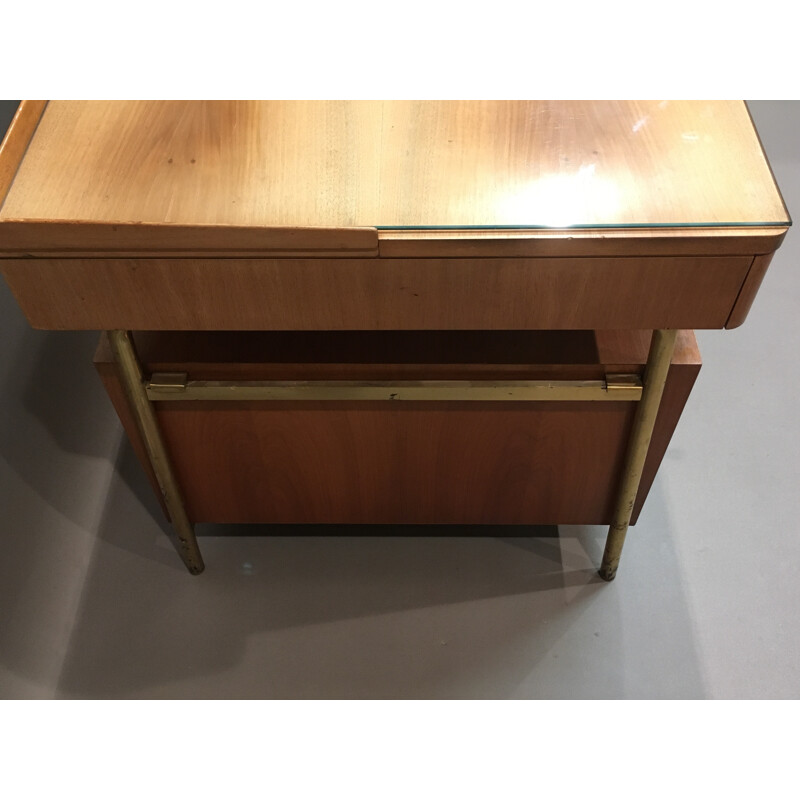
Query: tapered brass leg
x,y
130,373
655,376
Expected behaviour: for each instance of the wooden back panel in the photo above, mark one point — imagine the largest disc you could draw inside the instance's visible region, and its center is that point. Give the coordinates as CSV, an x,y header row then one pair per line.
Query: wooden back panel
x,y
378,463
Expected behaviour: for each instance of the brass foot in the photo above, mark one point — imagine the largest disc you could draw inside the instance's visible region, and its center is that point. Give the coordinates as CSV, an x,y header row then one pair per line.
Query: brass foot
x,y
607,574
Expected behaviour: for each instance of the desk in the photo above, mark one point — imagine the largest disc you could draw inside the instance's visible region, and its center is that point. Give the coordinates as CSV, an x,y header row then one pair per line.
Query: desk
x,y
391,311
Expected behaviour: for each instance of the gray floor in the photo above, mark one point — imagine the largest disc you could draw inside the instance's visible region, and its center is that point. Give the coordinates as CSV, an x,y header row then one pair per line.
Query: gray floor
x,y
94,602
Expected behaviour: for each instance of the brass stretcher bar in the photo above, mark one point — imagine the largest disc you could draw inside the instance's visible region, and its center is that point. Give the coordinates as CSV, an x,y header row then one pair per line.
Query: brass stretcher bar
x,y
175,386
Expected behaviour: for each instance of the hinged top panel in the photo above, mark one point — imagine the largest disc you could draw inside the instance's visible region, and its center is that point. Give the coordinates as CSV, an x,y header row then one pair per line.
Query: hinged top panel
x,y
397,164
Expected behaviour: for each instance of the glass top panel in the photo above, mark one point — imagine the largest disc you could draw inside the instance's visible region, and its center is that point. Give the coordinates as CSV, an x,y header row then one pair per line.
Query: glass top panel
x,y
399,164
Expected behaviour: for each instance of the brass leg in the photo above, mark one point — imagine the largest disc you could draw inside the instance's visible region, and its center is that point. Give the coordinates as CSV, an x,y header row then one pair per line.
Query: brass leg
x,y
133,382
655,376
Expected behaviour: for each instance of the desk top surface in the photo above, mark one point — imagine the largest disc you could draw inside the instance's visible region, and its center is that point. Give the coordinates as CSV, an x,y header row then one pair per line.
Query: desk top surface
x,y
398,164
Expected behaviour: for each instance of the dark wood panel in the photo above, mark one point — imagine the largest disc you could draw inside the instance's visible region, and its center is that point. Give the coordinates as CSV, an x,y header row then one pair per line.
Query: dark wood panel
x,y
290,350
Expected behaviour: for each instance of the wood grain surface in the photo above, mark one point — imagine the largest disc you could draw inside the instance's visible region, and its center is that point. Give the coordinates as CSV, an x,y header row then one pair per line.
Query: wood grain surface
x,y
377,294
446,463
397,163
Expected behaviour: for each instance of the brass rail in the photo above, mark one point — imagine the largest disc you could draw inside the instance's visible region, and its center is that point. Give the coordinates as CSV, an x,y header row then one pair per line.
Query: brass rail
x,y
176,386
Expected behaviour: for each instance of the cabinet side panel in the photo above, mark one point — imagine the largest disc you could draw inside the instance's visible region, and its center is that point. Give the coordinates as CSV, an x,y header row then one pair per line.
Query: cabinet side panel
x,y
676,392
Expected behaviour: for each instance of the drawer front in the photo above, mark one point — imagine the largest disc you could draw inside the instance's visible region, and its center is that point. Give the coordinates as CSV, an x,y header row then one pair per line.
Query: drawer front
x,y
378,294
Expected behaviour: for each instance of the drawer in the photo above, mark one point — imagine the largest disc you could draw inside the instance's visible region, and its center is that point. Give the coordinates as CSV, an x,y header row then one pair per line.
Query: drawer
x,y
416,462
378,293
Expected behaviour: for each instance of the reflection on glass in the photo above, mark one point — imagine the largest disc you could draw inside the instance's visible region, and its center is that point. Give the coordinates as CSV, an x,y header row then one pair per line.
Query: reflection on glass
x,y
559,201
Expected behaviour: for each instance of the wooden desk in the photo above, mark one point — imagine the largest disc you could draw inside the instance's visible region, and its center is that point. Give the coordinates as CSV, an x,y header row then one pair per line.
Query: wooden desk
x,y
426,219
